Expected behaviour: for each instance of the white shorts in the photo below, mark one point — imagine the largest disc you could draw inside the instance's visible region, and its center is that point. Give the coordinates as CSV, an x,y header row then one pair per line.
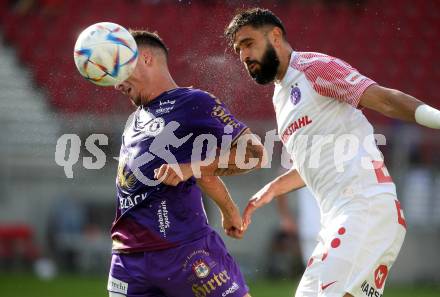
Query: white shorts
x,y
356,249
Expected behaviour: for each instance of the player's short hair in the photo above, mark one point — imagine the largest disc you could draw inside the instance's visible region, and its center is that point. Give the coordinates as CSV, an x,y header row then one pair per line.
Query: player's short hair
x,y
255,17
152,39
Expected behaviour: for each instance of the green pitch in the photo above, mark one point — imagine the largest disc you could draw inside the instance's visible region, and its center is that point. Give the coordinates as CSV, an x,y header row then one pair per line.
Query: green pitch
x,y
74,286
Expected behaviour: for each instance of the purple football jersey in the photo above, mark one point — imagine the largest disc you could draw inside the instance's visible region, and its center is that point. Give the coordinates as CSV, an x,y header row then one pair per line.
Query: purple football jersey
x,y
179,126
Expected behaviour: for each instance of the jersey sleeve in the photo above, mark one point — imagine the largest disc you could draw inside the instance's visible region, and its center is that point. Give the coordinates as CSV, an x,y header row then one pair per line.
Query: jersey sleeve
x,y
334,78
207,115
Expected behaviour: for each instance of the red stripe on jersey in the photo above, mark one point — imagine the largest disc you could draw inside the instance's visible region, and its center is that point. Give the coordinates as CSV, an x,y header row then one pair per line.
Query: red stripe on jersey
x,y
332,77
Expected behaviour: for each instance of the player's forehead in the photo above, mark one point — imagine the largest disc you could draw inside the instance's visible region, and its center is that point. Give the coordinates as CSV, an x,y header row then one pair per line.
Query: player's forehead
x,y
246,33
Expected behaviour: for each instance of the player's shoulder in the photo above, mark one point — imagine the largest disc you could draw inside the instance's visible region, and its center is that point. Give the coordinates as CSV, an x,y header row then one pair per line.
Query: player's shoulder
x,y
198,95
302,61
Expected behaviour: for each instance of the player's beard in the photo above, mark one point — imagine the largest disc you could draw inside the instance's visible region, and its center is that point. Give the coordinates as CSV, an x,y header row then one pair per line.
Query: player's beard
x,y
268,69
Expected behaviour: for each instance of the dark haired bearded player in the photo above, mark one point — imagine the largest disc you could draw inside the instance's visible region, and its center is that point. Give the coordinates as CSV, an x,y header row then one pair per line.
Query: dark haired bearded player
x,y
316,100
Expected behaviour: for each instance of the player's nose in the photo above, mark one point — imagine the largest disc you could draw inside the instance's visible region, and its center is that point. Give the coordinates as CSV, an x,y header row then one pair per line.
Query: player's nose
x,y
248,62
244,56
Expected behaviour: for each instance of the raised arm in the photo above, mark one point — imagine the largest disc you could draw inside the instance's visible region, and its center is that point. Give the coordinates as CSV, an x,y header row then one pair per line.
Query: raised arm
x,y
334,78
283,184
398,105
253,149
245,148
214,188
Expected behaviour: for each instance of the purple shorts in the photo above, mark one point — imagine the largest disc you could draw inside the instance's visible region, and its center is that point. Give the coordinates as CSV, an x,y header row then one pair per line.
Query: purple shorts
x,y
202,268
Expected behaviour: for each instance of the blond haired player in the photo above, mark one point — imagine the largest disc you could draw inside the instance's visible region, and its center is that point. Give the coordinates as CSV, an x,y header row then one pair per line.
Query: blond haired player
x,y
316,99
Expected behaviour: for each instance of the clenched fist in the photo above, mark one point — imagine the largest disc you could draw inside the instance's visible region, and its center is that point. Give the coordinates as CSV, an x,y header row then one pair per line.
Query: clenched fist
x,y
173,174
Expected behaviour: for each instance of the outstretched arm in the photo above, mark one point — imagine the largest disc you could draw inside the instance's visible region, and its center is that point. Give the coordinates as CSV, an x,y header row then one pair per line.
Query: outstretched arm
x,y
245,148
283,184
253,149
398,105
214,188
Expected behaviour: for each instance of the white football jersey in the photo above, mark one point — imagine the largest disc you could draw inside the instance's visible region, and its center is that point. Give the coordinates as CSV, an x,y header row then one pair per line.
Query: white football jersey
x,y
330,141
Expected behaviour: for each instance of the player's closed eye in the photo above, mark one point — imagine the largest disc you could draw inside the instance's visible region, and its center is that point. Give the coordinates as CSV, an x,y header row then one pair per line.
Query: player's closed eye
x,y
243,44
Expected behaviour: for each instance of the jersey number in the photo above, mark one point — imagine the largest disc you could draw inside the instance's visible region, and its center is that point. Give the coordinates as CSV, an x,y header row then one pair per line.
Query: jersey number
x,y
400,217
382,174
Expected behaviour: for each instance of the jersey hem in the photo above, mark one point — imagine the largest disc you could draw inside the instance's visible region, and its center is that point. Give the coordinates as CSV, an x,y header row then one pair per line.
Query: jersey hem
x,y
159,247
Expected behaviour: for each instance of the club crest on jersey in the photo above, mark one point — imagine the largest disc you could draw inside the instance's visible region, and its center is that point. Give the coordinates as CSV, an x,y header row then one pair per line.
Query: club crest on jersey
x,y
295,95
201,269
154,127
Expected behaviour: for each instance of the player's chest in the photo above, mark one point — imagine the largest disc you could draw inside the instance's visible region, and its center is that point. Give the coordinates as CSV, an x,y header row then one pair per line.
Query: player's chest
x,y
296,99
154,125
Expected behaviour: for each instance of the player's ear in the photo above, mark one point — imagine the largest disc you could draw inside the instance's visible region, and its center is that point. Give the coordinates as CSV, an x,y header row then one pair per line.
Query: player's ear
x,y
147,57
148,60
277,36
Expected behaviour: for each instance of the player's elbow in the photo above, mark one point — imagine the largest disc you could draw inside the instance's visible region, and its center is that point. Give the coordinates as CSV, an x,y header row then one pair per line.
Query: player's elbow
x,y
380,99
206,180
390,101
206,183
387,109
399,105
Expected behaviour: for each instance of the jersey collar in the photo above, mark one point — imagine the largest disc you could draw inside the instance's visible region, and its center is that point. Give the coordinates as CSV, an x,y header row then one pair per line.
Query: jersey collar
x,y
285,81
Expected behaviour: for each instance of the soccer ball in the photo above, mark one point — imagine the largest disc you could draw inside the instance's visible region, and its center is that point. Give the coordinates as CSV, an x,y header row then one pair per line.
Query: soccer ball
x,y
105,54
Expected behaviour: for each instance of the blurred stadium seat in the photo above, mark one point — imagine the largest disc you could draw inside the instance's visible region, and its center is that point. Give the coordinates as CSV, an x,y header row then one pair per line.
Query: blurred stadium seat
x,y
17,243
361,36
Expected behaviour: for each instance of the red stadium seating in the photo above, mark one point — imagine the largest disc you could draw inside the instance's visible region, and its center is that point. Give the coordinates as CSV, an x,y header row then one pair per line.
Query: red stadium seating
x,y
17,240
394,42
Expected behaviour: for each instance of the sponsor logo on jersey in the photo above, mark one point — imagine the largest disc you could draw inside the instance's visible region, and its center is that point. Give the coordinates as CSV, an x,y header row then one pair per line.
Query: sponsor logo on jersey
x,y
221,114
162,217
201,269
130,201
117,286
164,110
167,102
205,287
298,124
231,289
370,290
295,94
154,127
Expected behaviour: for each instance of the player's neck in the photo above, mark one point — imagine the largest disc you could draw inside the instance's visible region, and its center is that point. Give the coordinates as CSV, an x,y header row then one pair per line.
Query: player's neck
x,y
161,85
284,57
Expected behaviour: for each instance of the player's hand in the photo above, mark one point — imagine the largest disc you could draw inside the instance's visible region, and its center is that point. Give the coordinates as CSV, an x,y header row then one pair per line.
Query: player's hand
x,y
173,174
232,223
262,197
